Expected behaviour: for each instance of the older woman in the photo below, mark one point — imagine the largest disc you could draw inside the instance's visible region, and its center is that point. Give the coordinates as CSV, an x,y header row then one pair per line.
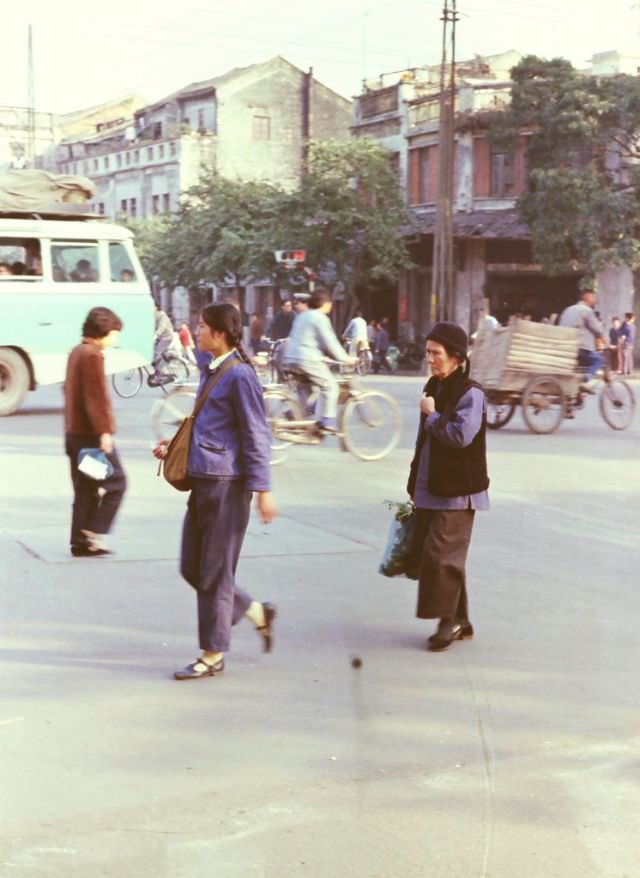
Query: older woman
x,y
228,462
448,482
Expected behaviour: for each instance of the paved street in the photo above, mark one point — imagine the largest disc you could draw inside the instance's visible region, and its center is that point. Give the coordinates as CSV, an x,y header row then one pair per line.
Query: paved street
x,y
515,754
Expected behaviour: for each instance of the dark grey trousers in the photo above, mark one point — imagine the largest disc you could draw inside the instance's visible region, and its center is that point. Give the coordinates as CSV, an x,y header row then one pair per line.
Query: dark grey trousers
x,y
212,535
95,504
445,535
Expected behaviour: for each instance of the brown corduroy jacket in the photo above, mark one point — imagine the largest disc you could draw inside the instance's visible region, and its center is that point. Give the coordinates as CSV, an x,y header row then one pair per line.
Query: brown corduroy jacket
x,y
87,404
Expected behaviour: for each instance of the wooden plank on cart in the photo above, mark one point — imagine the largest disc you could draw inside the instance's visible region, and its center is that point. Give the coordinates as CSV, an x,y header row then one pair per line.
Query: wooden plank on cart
x,y
505,358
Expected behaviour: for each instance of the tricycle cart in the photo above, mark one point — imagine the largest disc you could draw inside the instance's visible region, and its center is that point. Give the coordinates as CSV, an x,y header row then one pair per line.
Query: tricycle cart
x,y
535,365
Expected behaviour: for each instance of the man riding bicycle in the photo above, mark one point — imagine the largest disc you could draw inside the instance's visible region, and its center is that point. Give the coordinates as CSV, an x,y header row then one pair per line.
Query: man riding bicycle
x,y
312,338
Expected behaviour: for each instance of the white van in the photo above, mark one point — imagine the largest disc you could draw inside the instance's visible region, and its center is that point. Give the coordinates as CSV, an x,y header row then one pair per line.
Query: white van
x,y
53,269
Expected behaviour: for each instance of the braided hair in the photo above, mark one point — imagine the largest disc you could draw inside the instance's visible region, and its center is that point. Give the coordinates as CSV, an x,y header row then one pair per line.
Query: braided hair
x,y
226,318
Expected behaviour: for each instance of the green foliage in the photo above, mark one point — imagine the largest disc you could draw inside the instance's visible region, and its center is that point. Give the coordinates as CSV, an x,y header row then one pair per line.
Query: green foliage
x,y
584,195
348,216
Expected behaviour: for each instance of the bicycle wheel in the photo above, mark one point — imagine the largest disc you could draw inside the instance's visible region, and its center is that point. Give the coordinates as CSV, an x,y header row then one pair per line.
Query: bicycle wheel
x,y
370,425
617,404
170,411
363,366
280,407
127,384
177,367
543,405
499,414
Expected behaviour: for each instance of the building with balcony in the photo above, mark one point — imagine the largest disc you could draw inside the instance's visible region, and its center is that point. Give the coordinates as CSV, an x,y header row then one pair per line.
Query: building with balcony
x,y
250,123
492,246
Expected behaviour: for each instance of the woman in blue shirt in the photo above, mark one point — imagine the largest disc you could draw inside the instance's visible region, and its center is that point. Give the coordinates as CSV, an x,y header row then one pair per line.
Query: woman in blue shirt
x,y
228,462
448,482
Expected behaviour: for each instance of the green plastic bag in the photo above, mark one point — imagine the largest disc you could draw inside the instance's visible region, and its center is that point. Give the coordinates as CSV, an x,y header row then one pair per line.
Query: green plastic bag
x,y
398,558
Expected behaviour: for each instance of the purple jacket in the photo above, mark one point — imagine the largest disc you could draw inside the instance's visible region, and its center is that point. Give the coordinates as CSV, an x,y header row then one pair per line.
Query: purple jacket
x,y
231,438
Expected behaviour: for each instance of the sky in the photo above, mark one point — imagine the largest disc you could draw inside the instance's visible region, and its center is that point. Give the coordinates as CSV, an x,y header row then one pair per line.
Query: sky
x,y
87,52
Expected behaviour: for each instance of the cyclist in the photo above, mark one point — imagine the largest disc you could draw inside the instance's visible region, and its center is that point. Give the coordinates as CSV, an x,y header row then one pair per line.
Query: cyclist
x,y
355,335
311,340
582,316
162,342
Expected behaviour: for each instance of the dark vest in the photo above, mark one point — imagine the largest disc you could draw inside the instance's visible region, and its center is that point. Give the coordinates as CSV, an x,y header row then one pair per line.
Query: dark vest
x,y
453,472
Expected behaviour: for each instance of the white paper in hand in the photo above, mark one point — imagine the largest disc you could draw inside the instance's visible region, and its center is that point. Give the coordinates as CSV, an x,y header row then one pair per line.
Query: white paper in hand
x,y
95,469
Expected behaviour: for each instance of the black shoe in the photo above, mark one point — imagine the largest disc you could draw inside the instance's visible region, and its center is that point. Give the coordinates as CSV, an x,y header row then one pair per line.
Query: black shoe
x,y
198,669
159,380
447,632
83,551
266,630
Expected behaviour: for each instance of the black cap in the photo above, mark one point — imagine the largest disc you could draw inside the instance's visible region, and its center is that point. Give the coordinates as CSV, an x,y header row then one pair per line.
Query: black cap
x,y
452,336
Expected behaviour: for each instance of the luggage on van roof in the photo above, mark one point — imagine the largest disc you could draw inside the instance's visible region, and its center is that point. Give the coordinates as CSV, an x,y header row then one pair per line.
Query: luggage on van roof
x,y
33,191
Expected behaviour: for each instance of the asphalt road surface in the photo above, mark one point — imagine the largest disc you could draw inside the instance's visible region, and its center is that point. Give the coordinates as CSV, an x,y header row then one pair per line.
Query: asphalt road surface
x,y
514,754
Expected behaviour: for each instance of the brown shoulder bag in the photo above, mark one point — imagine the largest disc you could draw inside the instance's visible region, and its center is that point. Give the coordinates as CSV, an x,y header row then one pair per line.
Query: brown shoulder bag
x,y
175,464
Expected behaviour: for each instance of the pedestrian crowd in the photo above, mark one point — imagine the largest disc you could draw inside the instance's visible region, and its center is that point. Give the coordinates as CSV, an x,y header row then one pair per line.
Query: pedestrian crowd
x,y
229,464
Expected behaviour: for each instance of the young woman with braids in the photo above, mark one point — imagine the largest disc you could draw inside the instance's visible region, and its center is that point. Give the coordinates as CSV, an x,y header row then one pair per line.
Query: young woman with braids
x,y
228,462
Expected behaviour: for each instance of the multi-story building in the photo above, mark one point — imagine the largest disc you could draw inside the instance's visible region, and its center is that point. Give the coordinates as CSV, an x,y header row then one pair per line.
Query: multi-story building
x,y
250,123
492,246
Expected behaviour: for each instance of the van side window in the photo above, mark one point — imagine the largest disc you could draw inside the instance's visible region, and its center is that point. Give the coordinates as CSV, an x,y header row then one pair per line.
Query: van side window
x,y
20,257
120,264
74,262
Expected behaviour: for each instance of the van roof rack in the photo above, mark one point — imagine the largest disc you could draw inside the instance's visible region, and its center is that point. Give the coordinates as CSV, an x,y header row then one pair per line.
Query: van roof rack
x,y
53,211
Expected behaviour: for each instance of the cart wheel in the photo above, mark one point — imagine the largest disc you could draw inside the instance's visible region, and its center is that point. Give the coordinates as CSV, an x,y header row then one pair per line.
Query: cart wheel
x,y
617,404
499,414
543,405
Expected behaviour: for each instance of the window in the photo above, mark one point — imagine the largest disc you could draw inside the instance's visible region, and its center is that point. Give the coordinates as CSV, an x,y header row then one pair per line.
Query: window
x,y
20,258
161,151
150,153
155,204
95,164
120,264
136,156
172,148
422,174
74,262
105,162
133,207
123,205
127,158
503,174
166,202
101,208
119,160
262,128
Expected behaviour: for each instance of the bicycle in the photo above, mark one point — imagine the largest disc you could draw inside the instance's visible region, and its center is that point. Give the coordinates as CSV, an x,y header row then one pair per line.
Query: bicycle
x,y
369,421
127,384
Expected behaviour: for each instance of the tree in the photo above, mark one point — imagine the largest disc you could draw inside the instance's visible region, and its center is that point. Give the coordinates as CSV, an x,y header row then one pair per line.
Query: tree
x,y
583,200
348,215
355,218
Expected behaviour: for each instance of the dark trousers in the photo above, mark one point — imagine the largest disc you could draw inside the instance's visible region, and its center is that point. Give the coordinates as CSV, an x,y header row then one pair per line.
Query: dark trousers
x,y
95,504
380,360
212,535
442,589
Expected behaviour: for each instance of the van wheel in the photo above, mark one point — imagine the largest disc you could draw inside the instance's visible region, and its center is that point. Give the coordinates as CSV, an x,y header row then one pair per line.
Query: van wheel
x,y
14,381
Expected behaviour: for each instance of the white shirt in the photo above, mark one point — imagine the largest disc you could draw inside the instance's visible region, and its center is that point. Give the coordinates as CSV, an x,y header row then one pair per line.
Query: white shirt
x,y
357,329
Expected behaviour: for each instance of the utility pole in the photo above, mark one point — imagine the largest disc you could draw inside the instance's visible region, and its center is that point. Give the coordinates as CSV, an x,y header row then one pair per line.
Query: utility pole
x,y
31,109
442,278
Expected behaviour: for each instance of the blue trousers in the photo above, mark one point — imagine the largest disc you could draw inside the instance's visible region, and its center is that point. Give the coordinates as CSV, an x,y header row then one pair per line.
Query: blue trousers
x,y
591,360
212,535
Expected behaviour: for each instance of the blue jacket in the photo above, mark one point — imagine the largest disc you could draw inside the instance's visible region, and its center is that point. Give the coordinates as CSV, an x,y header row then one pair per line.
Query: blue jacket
x,y
231,438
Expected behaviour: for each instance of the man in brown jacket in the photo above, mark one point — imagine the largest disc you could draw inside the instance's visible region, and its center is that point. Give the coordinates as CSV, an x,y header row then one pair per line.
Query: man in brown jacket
x,y
89,423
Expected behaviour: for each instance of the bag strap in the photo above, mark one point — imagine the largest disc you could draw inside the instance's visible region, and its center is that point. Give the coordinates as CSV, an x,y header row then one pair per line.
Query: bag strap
x,y
211,383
